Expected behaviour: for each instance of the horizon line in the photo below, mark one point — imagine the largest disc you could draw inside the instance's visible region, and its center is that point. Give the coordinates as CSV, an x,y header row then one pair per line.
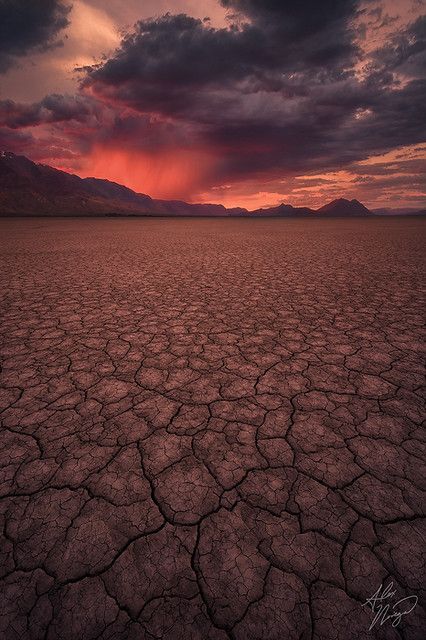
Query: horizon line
x,y
266,207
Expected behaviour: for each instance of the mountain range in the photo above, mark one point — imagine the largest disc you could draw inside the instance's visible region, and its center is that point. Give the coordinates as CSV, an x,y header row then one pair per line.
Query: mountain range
x,y
30,189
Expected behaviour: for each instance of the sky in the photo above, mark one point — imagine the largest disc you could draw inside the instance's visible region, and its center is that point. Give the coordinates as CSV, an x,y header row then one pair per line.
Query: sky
x,y
240,102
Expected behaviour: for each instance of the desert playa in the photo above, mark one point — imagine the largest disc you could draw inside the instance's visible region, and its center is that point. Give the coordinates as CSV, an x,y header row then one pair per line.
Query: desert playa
x,y
210,428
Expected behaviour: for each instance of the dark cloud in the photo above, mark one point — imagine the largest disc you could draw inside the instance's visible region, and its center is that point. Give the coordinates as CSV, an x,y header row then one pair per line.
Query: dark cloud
x,y
298,19
309,32
240,92
323,133
29,25
416,166
165,59
52,109
406,51
244,88
278,93
89,122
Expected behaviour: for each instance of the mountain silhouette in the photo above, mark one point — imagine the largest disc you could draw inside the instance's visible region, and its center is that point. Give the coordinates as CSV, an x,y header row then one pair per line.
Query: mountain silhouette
x,y
342,207
284,211
28,188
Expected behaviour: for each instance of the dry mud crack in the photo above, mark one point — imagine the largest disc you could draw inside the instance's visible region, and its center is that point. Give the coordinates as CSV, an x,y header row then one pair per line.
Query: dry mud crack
x,y
210,429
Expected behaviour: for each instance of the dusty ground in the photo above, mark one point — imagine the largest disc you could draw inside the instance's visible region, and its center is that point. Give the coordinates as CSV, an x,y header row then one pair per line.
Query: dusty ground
x,y
210,428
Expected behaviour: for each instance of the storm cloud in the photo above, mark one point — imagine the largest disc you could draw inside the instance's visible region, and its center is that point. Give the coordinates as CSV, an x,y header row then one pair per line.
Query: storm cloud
x,y
163,59
283,89
52,109
29,26
276,91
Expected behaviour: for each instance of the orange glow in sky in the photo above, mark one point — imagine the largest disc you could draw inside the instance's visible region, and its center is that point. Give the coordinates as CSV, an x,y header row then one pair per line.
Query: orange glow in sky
x,y
171,174
210,140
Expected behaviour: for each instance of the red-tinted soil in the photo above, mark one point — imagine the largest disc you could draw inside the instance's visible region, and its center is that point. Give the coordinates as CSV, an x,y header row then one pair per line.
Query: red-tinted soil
x,y
210,429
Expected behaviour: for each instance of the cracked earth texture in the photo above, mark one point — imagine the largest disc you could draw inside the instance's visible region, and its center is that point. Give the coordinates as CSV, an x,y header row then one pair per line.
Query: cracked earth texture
x,y
210,429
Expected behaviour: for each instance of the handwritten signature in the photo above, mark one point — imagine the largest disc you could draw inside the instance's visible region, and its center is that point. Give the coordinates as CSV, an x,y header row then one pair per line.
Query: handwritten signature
x,y
385,610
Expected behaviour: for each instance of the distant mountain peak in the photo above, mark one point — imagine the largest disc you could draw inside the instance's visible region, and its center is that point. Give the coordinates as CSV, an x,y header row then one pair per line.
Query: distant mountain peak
x,y
27,188
344,207
354,201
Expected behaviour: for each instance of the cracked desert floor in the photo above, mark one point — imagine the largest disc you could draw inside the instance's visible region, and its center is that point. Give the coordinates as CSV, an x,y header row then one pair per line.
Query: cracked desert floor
x,y
211,429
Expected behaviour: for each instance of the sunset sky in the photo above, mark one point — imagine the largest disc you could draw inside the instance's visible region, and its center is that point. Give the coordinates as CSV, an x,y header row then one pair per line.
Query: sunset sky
x,y
240,102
